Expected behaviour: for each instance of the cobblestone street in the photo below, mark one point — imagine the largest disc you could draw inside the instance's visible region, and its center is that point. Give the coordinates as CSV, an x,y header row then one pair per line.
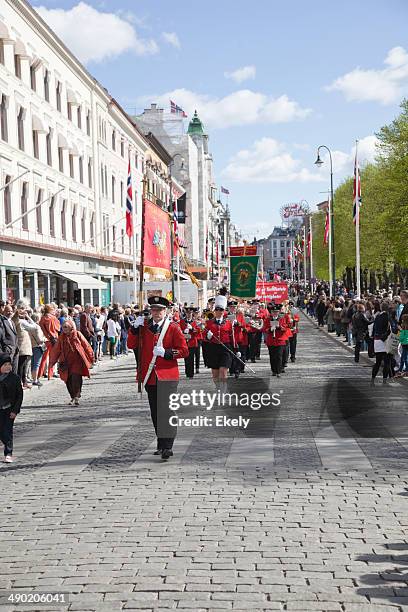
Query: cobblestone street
x,y
311,515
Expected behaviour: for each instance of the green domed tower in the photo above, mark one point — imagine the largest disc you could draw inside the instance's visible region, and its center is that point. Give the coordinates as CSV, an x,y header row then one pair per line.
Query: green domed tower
x,y
195,127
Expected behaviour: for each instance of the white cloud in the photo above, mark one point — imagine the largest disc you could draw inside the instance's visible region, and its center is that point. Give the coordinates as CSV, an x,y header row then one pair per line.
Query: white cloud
x,y
241,74
271,161
172,39
268,161
385,86
343,163
93,35
243,107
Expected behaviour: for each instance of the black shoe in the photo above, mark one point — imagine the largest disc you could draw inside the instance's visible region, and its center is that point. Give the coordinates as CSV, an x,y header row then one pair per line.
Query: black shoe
x,y
253,360
197,371
166,453
278,376
158,452
236,374
293,360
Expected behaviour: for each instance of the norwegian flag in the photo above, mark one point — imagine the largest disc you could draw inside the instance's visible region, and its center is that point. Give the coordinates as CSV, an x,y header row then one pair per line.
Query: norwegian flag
x,y
175,224
356,191
177,109
129,204
326,229
224,190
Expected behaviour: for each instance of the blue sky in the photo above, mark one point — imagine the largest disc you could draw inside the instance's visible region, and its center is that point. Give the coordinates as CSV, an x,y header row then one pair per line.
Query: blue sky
x,y
271,80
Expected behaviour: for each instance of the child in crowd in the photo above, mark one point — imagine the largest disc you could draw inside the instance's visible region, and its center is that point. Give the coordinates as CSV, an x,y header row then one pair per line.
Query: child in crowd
x,y
11,398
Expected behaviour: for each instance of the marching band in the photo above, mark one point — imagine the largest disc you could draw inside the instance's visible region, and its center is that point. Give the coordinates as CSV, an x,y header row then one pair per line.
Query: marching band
x,y
228,334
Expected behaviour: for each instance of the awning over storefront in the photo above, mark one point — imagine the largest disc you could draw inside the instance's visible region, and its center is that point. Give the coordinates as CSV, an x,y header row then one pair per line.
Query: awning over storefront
x,y
84,281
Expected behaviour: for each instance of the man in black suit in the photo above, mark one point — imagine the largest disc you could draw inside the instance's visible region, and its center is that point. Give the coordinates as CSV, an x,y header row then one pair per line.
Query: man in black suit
x,y
8,334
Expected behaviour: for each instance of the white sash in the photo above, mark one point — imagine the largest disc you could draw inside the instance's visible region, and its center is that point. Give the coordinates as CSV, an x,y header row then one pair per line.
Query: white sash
x,y
164,329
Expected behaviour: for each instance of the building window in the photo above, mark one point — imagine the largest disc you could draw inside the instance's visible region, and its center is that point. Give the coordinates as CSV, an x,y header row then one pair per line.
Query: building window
x,y
122,194
102,181
20,129
90,173
69,111
33,78
81,170
136,160
61,159
3,118
51,212
122,148
58,90
7,201
83,236
88,123
79,117
92,229
38,212
71,165
113,140
63,220
123,240
47,85
106,181
36,150
24,198
17,65
113,189
1,51
73,224
48,142
105,228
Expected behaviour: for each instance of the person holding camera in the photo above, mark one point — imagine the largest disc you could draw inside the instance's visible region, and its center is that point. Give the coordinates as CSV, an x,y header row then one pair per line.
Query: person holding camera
x,y
24,325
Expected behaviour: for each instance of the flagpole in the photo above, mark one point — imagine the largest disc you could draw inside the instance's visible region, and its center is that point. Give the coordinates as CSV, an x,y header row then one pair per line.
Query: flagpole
x,y
311,250
304,254
357,205
141,278
134,250
331,292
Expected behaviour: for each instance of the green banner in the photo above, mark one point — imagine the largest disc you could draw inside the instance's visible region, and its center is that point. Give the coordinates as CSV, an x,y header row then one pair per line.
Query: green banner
x,y
243,275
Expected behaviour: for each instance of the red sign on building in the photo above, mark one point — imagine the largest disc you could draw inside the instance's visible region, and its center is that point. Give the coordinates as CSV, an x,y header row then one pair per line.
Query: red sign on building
x,y
240,251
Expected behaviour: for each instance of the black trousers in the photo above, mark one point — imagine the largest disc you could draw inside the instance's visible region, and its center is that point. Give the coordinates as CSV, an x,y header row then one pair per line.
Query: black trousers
x,y
285,355
189,362
160,412
379,358
357,349
6,431
276,358
197,356
254,346
204,347
292,347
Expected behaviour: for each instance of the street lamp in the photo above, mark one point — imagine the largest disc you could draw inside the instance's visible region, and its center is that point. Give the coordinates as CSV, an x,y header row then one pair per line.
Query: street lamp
x,y
319,162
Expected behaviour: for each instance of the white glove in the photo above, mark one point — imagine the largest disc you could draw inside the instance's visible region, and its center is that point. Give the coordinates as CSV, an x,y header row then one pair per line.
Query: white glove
x,y
158,351
238,354
138,321
209,335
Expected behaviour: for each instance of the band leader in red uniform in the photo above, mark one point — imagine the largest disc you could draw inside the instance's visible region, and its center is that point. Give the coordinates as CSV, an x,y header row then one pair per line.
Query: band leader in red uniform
x,y
162,344
276,328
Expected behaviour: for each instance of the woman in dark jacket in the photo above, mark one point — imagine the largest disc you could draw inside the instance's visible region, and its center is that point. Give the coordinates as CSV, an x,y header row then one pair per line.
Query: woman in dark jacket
x,y
11,398
321,311
360,327
381,331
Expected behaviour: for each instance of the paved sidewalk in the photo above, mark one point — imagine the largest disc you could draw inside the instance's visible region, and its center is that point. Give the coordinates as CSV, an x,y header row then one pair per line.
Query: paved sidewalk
x,y
311,517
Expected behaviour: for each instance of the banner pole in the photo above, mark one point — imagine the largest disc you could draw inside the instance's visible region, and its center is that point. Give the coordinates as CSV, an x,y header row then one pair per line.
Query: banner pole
x,y
357,205
141,275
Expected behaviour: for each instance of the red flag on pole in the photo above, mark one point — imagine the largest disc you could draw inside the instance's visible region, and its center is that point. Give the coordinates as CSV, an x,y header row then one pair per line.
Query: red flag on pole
x,y
326,229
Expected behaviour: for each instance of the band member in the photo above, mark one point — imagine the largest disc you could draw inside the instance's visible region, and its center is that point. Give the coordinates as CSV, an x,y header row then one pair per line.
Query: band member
x,y
237,332
191,333
285,358
294,316
162,343
275,328
208,314
197,350
220,337
255,325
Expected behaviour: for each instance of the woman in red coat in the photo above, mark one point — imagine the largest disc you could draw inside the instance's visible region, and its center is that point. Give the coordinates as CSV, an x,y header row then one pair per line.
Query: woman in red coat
x,y
75,356
221,341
